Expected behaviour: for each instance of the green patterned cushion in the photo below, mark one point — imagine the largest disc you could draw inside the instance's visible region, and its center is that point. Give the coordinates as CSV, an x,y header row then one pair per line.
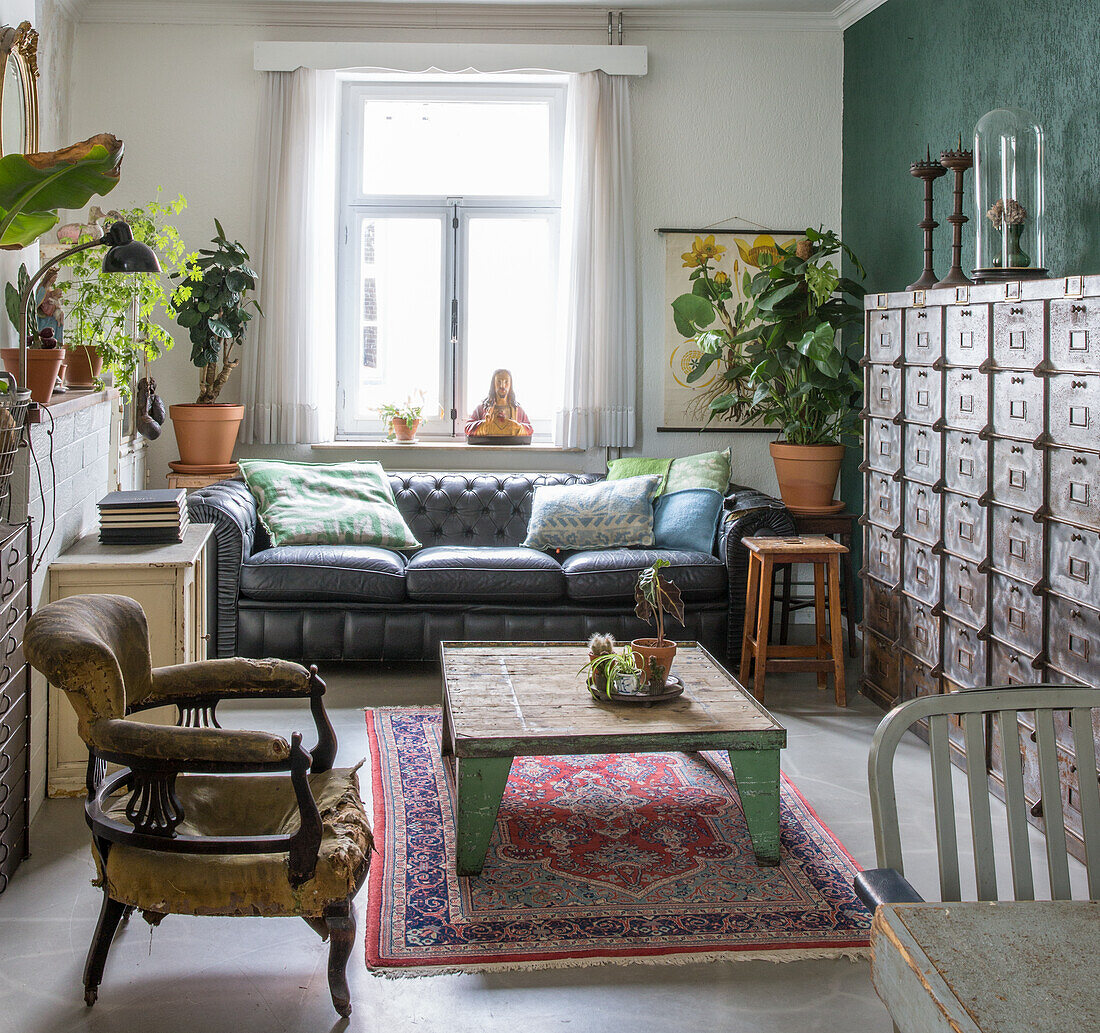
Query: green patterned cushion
x,y
605,515
706,470
316,504
638,466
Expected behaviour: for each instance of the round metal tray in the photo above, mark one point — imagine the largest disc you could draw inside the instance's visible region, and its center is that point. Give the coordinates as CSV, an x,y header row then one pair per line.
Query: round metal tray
x,y
674,687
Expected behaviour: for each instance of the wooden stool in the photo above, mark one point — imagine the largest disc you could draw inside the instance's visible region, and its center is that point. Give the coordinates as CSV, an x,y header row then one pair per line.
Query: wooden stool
x,y
827,652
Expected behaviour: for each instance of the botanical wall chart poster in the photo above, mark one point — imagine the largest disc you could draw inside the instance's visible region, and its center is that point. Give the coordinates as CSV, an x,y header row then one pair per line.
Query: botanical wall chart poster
x,y
686,405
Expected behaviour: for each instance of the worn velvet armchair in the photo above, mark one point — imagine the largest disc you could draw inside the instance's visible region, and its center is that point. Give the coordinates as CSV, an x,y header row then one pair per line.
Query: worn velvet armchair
x,y
202,820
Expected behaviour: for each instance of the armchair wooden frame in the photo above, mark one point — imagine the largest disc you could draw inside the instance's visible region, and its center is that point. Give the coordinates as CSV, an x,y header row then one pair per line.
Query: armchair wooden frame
x,y
154,811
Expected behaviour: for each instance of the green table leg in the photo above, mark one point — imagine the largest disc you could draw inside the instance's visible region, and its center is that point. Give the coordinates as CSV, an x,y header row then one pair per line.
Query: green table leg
x,y
480,788
757,776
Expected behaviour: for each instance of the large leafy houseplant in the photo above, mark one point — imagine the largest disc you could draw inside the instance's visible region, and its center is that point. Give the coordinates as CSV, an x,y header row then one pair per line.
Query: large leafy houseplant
x,y
118,315
788,357
215,312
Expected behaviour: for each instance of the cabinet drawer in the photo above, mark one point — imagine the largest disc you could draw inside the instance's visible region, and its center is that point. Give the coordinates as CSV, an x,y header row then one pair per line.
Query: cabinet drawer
x,y
1073,638
917,679
923,335
1016,614
884,446
1075,563
13,779
1011,666
13,582
1075,486
880,665
1018,334
1017,405
883,500
964,527
884,335
13,551
921,571
966,463
965,591
880,609
920,630
1017,546
1074,403
1075,334
12,844
883,555
1018,475
13,724
11,645
923,394
966,401
966,337
964,654
923,510
923,454
883,390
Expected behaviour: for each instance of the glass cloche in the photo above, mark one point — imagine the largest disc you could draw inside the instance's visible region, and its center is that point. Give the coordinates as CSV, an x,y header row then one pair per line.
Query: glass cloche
x,y
1008,180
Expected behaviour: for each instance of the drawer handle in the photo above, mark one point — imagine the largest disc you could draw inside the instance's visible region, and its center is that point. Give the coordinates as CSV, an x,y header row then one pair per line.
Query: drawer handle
x,y
1014,658
966,376
1017,380
1076,538
1017,451
13,557
964,634
1015,311
1078,383
884,316
920,491
922,314
964,440
922,433
1075,615
922,374
965,312
1078,308
1014,590
1078,460
963,568
964,505
1014,520
5,762
5,792
5,821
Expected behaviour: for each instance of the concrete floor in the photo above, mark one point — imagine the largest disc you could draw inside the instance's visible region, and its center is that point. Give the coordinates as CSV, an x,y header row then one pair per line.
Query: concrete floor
x,y
269,975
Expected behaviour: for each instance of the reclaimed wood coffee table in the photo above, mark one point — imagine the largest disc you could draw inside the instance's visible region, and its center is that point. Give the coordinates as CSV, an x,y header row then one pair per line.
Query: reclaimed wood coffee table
x,y
528,699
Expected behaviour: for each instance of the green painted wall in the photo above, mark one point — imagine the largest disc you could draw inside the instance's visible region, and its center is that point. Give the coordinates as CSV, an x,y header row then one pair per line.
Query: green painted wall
x,y
918,73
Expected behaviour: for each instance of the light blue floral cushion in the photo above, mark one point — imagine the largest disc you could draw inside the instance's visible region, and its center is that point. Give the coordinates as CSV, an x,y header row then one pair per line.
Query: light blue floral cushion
x,y
605,515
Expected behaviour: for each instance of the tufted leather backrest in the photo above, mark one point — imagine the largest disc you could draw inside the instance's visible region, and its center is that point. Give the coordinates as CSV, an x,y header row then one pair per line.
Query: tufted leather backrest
x,y
472,508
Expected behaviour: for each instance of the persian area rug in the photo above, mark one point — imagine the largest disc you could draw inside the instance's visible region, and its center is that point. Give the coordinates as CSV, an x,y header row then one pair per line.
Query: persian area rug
x,y
595,859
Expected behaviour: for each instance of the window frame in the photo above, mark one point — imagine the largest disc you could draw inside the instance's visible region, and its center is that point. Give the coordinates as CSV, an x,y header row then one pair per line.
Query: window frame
x,y
354,206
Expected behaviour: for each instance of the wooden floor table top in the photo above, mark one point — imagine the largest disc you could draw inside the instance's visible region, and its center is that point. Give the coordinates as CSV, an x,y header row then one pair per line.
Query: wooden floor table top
x,y
530,699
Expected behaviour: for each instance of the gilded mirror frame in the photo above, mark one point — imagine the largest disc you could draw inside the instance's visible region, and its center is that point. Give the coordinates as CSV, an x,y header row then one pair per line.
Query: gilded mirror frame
x,y
21,43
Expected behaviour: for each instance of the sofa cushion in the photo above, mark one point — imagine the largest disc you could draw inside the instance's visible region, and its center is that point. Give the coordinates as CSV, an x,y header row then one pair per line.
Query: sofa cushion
x,y
608,575
510,574
607,514
359,573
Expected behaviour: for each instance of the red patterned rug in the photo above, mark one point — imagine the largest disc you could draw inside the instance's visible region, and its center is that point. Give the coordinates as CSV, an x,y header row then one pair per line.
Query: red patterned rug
x,y
630,857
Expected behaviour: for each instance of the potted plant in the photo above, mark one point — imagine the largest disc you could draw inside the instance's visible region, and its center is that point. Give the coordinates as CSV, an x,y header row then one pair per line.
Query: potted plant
x,y
653,596
212,304
111,321
792,361
610,670
403,420
32,189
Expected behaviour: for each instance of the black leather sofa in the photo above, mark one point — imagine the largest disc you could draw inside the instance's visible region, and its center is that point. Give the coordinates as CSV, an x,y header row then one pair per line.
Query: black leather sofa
x,y
472,579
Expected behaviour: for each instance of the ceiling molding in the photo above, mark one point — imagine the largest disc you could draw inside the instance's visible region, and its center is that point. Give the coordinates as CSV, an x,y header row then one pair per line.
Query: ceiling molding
x,y
848,12
343,14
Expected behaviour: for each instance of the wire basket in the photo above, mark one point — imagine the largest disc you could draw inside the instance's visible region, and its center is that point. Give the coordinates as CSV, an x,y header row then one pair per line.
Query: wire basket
x,y
13,411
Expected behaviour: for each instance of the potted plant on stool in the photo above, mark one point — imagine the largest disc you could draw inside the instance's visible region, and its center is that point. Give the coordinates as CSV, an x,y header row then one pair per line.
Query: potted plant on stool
x,y
215,313
653,595
801,375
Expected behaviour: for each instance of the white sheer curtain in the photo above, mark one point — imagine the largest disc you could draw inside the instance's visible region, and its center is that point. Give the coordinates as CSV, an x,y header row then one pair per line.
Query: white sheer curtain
x,y
598,307
288,364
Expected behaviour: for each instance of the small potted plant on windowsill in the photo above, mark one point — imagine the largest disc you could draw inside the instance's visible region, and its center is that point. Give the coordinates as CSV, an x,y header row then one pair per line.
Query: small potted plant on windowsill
x,y
653,596
402,420
212,304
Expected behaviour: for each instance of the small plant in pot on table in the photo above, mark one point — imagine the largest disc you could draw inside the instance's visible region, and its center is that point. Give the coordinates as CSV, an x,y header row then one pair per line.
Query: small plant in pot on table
x,y
654,597
214,307
612,670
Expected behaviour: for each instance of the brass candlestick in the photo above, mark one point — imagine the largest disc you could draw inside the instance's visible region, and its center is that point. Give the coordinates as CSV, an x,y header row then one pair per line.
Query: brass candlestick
x,y
958,161
929,171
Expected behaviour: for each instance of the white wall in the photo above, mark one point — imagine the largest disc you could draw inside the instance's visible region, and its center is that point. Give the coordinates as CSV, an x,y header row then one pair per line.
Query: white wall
x,y
727,122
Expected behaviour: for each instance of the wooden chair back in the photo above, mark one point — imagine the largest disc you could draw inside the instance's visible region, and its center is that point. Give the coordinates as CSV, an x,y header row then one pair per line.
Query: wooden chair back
x,y
1000,708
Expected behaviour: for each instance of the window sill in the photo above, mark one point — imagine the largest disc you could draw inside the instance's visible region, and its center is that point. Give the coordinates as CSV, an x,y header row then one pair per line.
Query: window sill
x,y
366,444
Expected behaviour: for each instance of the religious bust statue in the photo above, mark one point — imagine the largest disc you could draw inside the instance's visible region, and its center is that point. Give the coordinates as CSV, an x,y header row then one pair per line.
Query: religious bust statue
x,y
499,420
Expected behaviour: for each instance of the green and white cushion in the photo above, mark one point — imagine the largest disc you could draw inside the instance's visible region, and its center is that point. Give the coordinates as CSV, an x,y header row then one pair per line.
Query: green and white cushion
x,y
710,470
605,515
318,504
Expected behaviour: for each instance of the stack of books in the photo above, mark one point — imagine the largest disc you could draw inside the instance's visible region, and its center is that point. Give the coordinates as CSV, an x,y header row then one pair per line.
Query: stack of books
x,y
143,517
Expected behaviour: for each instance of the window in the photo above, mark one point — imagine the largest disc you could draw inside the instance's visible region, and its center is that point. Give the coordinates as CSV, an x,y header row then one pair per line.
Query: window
x,y
450,212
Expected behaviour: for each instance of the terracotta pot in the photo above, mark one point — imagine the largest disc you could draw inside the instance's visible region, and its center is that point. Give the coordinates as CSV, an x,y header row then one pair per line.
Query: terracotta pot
x,y
653,655
42,367
84,364
206,434
403,430
807,475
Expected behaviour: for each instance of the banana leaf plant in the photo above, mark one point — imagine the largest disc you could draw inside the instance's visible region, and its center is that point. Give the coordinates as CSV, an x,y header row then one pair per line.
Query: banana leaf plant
x,y
653,595
34,186
788,354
